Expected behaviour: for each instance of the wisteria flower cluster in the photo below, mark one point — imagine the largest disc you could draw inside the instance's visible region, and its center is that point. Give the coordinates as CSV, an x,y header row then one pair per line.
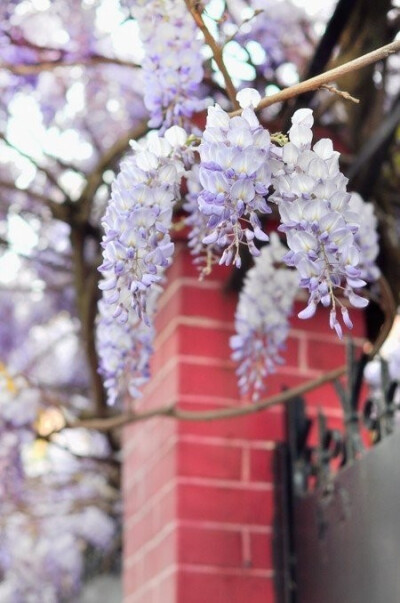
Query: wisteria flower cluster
x,y
235,173
137,245
366,237
173,63
125,349
320,226
227,193
261,319
137,249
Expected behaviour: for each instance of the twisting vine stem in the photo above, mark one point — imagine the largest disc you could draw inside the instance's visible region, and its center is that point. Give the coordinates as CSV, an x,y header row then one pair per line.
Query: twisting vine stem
x,y
195,10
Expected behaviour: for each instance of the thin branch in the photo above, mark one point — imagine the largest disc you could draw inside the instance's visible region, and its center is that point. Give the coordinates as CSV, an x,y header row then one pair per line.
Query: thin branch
x,y
210,415
91,457
341,93
39,167
64,165
58,210
106,161
257,12
195,11
35,68
325,78
43,262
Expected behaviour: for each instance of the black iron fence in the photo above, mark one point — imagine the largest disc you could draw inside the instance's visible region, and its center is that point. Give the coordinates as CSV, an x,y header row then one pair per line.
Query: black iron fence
x,y
338,537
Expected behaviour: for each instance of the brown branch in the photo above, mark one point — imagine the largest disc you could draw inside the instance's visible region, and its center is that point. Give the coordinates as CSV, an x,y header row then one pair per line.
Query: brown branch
x,y
86,278
209,415
35,68
58,210
195,11
106,161
91,457
325,78
64,165
51,178
341,93
257,11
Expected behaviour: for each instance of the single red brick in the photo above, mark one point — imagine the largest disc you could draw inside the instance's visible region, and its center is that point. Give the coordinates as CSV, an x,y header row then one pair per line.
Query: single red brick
x,y
168,348
148,521
207,380
133,576
201,341
147,444
149,595
290,353
323,355
208,460
225,504
161,389
134,496
224,588
167,588
261,550
137,534
165,510
161,556
169,310
209,303
203,546
160,473
261,465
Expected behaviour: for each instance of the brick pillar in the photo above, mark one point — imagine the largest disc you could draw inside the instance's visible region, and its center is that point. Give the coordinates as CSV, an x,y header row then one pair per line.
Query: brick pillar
x,y
199,496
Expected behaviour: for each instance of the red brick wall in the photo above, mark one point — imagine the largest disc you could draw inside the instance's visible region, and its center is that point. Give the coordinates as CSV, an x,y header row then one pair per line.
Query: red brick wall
x,y
199,495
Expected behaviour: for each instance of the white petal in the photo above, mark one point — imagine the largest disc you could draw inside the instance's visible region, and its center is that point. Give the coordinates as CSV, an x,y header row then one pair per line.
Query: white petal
x,y
248,97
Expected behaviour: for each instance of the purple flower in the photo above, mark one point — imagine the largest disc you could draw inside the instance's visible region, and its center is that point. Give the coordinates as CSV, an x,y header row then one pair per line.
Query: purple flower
x,y
172,65
261,319
235,175
320,224
366,237
137,245
125,349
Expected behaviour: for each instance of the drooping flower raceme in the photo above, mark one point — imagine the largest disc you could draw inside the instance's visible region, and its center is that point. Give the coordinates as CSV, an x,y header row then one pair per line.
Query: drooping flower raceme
x,y
366,237
261,319
137,245
125,349
319,223
205,256
137,250
172,66
235,174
